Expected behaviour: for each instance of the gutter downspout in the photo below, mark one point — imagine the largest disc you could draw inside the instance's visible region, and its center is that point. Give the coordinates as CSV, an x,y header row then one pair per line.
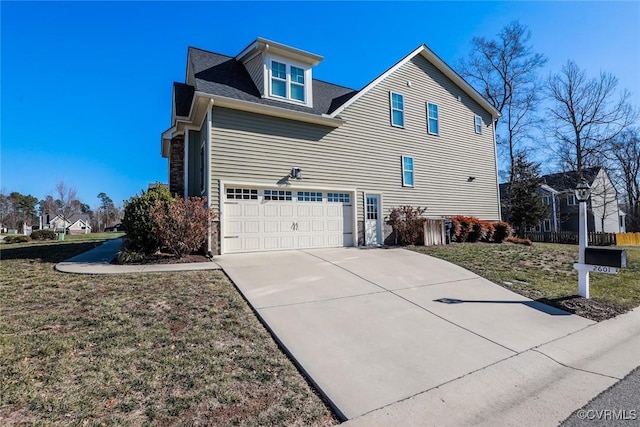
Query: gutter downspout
x,y
495,157
208,153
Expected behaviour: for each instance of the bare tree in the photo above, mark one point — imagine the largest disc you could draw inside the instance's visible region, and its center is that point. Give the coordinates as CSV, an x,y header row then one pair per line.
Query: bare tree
x,y
504,71
624,152
585,115
67,201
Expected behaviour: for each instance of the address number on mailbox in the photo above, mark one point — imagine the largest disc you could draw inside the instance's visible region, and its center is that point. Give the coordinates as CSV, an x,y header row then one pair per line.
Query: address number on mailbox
x,y
597,268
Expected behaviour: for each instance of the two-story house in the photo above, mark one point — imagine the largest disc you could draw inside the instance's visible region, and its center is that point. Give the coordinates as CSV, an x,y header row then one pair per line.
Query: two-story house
x,y
557,191
603,210
289,161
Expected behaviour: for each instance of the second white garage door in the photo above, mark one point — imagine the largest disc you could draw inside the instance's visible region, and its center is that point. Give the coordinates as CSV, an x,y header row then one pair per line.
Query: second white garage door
x,y
258,219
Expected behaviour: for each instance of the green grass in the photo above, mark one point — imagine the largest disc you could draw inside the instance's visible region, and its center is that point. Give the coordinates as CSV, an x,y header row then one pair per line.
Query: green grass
x,y
160,349
543,270
94,236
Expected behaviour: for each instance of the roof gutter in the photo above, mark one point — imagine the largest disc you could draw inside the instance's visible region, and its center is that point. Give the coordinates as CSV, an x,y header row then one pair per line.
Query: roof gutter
x,y
268,110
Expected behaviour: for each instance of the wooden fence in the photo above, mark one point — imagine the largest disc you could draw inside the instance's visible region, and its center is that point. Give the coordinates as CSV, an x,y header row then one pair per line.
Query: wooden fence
x,y
434,232
628,239
570,237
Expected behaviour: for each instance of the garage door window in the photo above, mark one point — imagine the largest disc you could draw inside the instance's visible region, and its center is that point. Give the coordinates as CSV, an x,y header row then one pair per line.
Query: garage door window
x,y
242,194
338,197
277,195
309,196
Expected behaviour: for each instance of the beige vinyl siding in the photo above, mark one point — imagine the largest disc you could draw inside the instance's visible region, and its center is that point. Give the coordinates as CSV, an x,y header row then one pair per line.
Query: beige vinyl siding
x,y
365,153
256,71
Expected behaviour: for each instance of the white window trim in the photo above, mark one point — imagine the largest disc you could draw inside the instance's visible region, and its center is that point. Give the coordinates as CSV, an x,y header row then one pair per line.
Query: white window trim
x,y
477,124
571,200
391,109
413,175
308,81
429,131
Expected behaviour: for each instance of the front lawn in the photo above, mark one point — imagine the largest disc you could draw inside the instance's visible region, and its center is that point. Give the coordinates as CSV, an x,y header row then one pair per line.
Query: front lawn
x,y
545,271
162,349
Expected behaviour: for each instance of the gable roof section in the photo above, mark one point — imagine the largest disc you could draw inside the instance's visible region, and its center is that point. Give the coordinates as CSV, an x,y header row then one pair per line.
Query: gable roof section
x,y
225,76
434,59
564,181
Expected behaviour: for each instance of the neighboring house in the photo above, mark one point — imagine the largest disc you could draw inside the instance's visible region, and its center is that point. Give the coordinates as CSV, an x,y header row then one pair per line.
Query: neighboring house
x,y
75,224
290,162
557,192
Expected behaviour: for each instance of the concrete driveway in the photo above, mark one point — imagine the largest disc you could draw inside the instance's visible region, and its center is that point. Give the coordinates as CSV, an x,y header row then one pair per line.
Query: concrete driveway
x,y
373,327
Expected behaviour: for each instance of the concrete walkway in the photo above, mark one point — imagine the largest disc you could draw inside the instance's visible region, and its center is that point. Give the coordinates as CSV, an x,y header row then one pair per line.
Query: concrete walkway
x,y
98,261
392,337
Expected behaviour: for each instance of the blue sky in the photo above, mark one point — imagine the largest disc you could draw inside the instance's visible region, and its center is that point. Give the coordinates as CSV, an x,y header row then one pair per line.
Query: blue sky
x,y
86,87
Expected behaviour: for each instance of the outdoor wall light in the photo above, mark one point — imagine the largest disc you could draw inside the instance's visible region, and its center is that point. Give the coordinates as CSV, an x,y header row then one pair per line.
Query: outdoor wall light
x,y
296,173
583,191
471,178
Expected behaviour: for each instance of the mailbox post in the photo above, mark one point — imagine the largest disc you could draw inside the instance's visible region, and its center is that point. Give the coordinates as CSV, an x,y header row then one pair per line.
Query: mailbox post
x,y
583,191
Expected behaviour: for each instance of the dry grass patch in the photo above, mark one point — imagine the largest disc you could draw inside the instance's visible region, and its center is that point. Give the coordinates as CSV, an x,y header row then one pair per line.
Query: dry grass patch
x,y
162,349
544,272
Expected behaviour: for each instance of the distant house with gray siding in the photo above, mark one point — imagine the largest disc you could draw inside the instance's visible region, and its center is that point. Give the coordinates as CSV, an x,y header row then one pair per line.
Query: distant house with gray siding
x,y
557,192
289,161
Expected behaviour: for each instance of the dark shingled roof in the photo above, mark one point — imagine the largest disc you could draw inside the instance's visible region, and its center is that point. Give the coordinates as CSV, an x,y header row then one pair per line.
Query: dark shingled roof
x,y
562,181
568,180
184,96
223,75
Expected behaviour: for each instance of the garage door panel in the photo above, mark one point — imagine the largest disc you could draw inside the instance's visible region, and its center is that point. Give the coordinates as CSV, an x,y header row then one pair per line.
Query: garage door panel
x,y
286,210
270,219
252,211
252,227
334,225
303,211
271,226
251,243
270,210
234,226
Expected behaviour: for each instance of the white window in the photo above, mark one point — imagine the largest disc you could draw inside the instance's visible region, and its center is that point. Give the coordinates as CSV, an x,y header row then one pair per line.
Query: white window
x,y
478,122
309,196
571,200
277,195
432,119
278,79
407,171
297,83
288,81
547,225
338,197
546,200
397,109
242,194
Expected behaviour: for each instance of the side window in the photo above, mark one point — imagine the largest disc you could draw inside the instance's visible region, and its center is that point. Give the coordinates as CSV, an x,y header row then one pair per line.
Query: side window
x,y
407,171
433,119
397,109
478,122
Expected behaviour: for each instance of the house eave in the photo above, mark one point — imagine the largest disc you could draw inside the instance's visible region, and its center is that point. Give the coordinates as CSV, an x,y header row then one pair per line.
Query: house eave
x,y
264,45
269,110
430,56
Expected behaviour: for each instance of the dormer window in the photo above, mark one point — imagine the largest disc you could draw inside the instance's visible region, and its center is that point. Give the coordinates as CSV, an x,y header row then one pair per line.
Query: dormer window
x,y
288,81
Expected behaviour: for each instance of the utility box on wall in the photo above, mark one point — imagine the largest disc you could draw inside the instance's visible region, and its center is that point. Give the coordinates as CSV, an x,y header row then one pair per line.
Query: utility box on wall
x,y
606,257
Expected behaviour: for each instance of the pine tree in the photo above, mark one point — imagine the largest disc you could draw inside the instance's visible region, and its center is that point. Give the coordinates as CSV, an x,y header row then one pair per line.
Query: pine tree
x,y
524,205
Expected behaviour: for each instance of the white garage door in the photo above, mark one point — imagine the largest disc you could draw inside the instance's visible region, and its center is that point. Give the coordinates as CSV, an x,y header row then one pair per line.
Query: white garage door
x,y
274,219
